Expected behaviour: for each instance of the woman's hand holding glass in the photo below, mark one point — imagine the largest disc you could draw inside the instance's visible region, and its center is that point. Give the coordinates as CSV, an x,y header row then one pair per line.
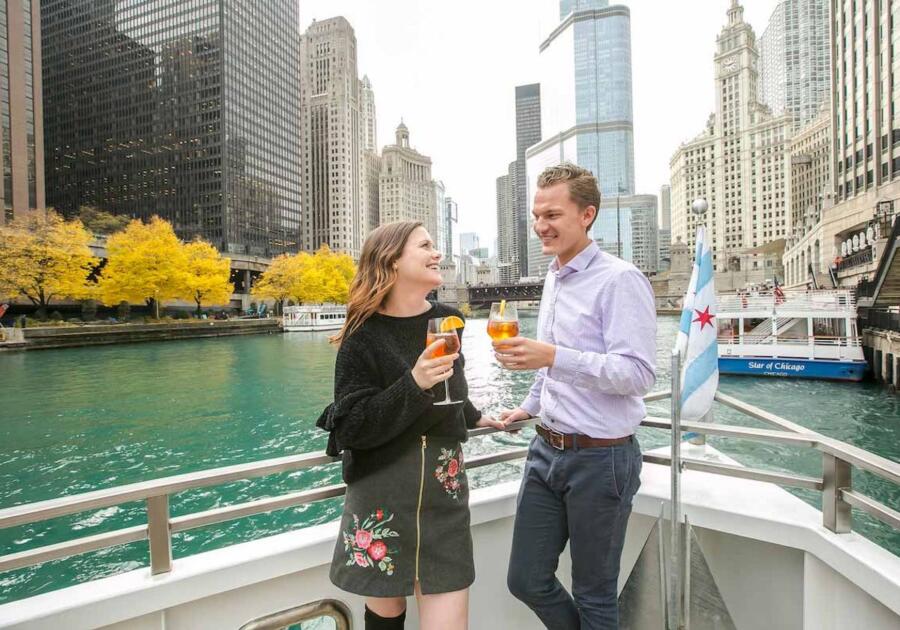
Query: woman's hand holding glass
x,y
430,370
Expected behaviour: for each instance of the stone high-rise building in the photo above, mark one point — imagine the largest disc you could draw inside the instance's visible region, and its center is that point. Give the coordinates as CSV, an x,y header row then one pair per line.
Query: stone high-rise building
x,y
21,110
369,121
449,217
333,209
794,60
189,114
406,189
507,260
370,160
665,226
741,162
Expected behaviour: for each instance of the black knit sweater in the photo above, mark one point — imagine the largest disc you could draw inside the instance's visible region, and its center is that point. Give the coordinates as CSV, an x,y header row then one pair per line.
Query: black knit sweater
x,y
378,409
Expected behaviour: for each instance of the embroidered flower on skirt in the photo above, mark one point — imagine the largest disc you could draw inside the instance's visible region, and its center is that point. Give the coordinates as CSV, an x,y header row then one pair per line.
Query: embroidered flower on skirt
x,y
366,542
447,473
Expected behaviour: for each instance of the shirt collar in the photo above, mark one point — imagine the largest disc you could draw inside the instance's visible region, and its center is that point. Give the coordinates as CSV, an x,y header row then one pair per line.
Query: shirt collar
x,y
581,260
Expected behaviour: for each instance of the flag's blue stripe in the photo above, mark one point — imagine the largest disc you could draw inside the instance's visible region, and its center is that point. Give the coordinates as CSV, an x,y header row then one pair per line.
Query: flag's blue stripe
x,y
706,271
686,319
699,370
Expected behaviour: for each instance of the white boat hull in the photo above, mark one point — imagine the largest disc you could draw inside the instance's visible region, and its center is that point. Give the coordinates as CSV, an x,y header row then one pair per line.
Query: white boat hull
x,y
775,565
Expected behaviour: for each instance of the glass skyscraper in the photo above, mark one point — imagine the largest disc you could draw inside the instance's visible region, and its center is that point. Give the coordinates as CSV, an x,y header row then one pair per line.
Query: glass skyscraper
x,y
586,104
186,109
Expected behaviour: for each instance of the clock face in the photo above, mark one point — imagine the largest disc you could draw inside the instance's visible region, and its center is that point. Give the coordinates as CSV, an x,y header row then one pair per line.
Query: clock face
x,y
729,64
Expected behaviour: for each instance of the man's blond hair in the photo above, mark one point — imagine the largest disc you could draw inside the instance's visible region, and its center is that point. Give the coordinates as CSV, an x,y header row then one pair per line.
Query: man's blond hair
x,y
581,183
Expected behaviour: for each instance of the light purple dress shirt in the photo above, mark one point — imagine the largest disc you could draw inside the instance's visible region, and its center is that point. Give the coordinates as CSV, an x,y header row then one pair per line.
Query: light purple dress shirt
x,y
600,314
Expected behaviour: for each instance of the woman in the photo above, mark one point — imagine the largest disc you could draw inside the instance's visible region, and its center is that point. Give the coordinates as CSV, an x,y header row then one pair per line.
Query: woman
x,y
405,528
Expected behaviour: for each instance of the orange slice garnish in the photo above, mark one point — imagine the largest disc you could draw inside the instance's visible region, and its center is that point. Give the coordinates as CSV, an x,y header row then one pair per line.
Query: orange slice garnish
x,y
451,323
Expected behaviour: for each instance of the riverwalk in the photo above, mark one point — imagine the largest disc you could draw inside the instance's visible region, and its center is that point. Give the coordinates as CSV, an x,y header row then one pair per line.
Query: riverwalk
x,y
42,338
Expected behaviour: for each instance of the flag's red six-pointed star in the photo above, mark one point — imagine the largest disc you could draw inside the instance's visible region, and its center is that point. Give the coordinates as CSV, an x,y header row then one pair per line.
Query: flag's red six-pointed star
x,y
704,317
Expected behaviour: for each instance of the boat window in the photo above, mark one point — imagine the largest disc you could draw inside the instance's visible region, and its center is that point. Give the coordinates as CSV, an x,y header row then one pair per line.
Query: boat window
x,y
829,327
727,327
752,322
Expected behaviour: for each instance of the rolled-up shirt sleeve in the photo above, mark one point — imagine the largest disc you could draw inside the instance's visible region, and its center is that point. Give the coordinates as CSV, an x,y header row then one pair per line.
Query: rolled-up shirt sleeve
x,y
627,368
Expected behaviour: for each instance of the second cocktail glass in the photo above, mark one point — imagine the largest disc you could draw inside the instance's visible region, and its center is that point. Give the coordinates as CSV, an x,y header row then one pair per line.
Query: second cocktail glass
x,y
438,329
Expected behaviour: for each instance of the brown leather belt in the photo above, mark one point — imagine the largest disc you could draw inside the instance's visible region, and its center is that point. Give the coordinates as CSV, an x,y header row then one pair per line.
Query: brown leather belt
x,y
562,441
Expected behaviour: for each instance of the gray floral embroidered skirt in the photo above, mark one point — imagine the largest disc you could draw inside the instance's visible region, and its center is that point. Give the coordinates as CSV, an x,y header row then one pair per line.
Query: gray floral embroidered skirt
x,y
407,521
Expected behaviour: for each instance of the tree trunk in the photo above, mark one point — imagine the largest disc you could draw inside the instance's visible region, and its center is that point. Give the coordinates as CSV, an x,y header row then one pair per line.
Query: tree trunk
x,y
199,311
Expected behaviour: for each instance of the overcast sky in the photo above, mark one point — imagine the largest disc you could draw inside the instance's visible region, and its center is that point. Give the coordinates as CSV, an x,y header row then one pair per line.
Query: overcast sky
x,y
449,69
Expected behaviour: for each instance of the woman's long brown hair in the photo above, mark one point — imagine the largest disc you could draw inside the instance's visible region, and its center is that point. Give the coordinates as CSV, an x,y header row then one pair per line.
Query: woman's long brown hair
x,y
375,275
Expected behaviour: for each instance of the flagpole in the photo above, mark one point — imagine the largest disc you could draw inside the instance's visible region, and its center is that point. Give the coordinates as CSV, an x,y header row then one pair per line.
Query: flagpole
x,y
699,208
676,548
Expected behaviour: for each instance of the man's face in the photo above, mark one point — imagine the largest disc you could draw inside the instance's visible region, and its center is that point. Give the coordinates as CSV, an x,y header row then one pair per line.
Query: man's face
x,y
559,222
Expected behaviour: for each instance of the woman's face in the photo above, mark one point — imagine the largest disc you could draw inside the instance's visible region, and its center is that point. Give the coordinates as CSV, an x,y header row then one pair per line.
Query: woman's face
x,y
420,262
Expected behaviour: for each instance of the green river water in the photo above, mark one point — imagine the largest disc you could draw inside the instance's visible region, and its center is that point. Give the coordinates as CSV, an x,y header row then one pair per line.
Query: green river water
x,y
77,420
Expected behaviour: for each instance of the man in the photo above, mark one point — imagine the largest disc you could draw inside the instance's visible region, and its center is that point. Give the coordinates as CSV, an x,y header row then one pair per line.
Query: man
x,y
595,355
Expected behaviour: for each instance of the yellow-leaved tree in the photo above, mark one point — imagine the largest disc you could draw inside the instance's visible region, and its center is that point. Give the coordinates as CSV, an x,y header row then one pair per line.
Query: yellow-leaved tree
x,y
43,257
145,262
275,282
328,275
208,277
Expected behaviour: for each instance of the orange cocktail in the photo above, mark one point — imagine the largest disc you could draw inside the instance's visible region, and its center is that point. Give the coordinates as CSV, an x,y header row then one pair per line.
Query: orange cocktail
x,y
451,343
502,329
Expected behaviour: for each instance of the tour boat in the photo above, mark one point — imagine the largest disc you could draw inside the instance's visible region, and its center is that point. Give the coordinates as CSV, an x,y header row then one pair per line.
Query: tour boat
x,y
315,317
805,334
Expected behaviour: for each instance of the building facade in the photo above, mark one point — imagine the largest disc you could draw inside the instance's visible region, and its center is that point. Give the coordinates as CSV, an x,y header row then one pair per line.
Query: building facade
x,y
741,162
644,232
528,133
440,235
468,242
190,115
450,218
369,120
794,60
846,243
665,226
586,96
507,261
21,109
333,208
406,189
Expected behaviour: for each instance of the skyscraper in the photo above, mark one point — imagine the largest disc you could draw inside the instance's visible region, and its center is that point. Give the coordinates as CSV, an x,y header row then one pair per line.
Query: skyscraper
x,y
450,217
865,99
189,114
528,133
369,124
586,99
21,114
468,241
440,235
665,226
370,166
794,60
406,188
740,163
333,209
506,226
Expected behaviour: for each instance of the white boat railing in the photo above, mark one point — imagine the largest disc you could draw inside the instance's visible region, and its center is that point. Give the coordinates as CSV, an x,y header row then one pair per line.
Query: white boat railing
x,y
838,495
814,301
769,340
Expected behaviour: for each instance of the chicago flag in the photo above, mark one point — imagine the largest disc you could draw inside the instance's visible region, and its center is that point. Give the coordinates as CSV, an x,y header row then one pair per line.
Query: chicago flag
x,y
697,337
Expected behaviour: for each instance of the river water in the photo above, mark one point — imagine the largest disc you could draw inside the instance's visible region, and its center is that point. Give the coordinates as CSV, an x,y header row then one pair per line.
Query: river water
x,y
77,420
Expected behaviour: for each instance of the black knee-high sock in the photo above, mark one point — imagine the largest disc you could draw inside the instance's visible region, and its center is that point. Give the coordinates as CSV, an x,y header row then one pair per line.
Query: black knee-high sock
x,y
376,622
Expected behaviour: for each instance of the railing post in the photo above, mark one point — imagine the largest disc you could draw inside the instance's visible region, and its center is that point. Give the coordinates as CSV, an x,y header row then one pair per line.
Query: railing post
x,y
676,550
836,475
159,535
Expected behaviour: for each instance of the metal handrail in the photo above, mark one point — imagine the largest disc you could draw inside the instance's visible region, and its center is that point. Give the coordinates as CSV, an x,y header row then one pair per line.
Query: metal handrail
x,y
332,608
835,484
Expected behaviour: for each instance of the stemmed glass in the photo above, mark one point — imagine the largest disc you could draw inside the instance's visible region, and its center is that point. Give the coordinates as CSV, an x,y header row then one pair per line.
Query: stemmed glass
x,y
437,329
503,321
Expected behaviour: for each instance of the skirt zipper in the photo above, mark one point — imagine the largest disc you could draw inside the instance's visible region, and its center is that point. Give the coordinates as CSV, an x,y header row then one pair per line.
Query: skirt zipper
x,y
419,508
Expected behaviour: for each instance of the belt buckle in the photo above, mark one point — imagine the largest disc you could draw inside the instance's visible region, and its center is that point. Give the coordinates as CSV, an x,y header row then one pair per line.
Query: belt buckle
x,y
557,440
